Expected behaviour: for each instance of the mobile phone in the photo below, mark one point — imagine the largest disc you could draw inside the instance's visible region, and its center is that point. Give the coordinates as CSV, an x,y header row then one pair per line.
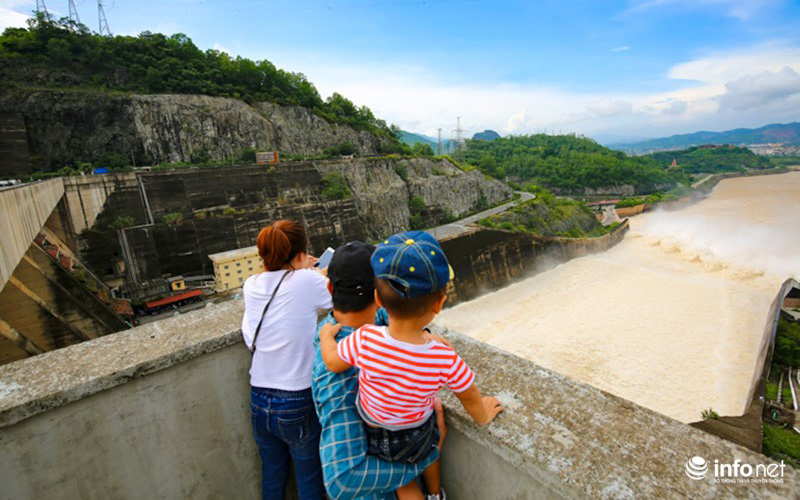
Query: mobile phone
x,y
325,258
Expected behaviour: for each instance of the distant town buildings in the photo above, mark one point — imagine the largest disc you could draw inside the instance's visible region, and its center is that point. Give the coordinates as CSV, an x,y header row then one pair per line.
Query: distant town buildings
x,y
233,267
773,149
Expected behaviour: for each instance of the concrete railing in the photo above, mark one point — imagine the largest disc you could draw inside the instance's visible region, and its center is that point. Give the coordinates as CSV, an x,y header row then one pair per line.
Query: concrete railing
x,y
23,212
160,411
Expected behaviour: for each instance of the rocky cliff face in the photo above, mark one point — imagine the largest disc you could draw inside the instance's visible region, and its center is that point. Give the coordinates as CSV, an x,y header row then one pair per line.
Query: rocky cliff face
x,y
67,127
383,187
224,208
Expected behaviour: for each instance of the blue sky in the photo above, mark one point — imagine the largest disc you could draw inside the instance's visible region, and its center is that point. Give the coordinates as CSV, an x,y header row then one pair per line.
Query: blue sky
x,y
608,69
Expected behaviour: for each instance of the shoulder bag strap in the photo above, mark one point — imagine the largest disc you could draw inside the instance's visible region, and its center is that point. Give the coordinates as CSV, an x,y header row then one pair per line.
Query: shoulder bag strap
x,y
258,328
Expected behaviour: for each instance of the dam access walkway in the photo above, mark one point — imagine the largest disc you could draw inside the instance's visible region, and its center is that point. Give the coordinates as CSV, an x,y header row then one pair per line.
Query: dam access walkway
x,y
460,226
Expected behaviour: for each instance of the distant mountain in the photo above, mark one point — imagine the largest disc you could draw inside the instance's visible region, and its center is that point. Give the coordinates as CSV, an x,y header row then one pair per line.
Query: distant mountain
x,y
410,138
486,135
788,133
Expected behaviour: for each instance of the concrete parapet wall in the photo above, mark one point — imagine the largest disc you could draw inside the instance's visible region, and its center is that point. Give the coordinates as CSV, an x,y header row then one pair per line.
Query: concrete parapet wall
x,y
626,212
23,212
160,411
488,259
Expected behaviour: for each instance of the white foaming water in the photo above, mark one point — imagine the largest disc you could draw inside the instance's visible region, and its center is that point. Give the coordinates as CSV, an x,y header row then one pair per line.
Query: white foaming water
x,y
673,316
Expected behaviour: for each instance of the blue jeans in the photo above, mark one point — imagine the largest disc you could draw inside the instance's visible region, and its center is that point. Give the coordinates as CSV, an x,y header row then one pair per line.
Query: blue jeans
x,y
405,445
285,425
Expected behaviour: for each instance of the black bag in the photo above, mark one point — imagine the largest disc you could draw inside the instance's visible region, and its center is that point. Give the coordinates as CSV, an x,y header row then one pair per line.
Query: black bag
x,y
258,328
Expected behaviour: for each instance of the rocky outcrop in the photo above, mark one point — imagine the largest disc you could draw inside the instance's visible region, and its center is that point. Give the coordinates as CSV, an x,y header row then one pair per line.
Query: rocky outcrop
x,y
68,127
383,187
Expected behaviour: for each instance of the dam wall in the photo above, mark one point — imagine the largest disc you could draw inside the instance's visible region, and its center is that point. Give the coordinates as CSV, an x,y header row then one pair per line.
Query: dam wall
x,y
487,259
86,196
23,212
161,411
767,347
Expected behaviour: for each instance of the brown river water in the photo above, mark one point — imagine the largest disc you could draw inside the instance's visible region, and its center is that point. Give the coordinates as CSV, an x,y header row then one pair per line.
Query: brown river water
x,y
670,318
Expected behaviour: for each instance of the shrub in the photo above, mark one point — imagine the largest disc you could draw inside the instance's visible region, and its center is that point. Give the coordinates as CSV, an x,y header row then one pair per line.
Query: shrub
x,y
122,222
416,204
335,187
401,172
709,414
173,218
341,149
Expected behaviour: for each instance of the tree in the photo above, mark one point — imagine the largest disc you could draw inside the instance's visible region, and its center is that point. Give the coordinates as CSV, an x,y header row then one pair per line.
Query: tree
x,y
422,149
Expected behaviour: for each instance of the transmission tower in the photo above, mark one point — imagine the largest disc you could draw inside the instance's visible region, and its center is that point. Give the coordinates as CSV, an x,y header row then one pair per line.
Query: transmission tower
x,y
439,147
101,14
73,12
459,138
41,8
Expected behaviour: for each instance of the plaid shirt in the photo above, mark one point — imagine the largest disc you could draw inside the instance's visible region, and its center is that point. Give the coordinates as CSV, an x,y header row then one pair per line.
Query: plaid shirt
x,y
347,470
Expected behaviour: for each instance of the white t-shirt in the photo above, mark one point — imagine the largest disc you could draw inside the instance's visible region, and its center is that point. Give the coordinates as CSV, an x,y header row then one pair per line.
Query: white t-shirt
x,y
284,354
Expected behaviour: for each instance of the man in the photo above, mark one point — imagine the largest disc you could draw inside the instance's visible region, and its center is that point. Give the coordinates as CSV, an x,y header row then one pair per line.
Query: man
x,y
347,470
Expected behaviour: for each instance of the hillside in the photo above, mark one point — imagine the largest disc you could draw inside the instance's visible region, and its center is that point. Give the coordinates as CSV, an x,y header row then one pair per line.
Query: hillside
x,y
65,59
568,164
548,216
788,133
711,159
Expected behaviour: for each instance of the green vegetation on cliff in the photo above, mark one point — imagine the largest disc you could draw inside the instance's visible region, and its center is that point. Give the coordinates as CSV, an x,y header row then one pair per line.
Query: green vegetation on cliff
x,y
711,159
787,344
547,215
63,54
566,163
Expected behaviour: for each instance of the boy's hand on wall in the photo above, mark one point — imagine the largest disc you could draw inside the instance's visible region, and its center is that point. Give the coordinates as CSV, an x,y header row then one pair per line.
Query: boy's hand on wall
x,y
493,407
430,337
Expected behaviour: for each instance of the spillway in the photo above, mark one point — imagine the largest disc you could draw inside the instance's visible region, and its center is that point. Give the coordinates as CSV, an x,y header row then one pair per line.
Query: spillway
x,y
673,316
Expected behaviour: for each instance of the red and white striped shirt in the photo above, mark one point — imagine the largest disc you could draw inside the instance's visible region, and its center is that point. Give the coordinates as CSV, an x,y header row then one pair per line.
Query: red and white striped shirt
x,y
398,380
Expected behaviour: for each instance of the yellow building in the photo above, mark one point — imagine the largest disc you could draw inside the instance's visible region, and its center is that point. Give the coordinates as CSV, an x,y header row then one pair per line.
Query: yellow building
x,y
233,267
177,283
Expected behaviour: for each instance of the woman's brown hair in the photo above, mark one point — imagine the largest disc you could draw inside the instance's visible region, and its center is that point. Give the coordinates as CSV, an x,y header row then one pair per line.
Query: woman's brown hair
x,y
279,243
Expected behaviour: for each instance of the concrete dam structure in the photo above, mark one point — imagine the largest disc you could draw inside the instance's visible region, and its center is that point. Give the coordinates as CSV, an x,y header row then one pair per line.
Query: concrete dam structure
x,y
674,316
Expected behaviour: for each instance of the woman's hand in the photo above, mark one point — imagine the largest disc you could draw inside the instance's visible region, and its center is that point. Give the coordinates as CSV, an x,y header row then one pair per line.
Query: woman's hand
x,y
309,262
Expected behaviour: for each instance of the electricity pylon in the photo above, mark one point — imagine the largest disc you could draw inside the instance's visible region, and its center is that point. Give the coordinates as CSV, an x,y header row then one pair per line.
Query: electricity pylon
x,y
103,22
73,12
41,8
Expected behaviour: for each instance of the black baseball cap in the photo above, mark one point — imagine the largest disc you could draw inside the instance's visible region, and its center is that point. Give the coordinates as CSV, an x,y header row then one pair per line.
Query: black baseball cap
x,y
350,270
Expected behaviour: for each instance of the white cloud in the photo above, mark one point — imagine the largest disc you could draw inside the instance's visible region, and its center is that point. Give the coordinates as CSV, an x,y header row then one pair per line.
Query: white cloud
x,y
516,122
718,91
753,91
620,49
221,49
609,107
11,13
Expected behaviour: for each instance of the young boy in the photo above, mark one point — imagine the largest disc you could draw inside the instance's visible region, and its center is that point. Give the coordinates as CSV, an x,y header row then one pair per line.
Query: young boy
x,y
400,369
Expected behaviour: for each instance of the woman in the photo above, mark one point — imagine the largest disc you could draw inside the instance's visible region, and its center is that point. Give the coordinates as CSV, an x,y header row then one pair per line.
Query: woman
x,y
282,413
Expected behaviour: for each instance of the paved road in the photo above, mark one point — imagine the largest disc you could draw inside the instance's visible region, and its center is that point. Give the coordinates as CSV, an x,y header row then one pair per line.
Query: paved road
x,y
460,226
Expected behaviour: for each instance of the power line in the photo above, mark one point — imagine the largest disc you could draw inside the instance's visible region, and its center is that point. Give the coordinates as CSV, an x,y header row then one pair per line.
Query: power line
x,y
103,22
73,12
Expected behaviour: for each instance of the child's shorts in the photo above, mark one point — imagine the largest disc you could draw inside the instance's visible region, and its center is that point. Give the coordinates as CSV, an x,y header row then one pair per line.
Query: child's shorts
x,y
406,445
